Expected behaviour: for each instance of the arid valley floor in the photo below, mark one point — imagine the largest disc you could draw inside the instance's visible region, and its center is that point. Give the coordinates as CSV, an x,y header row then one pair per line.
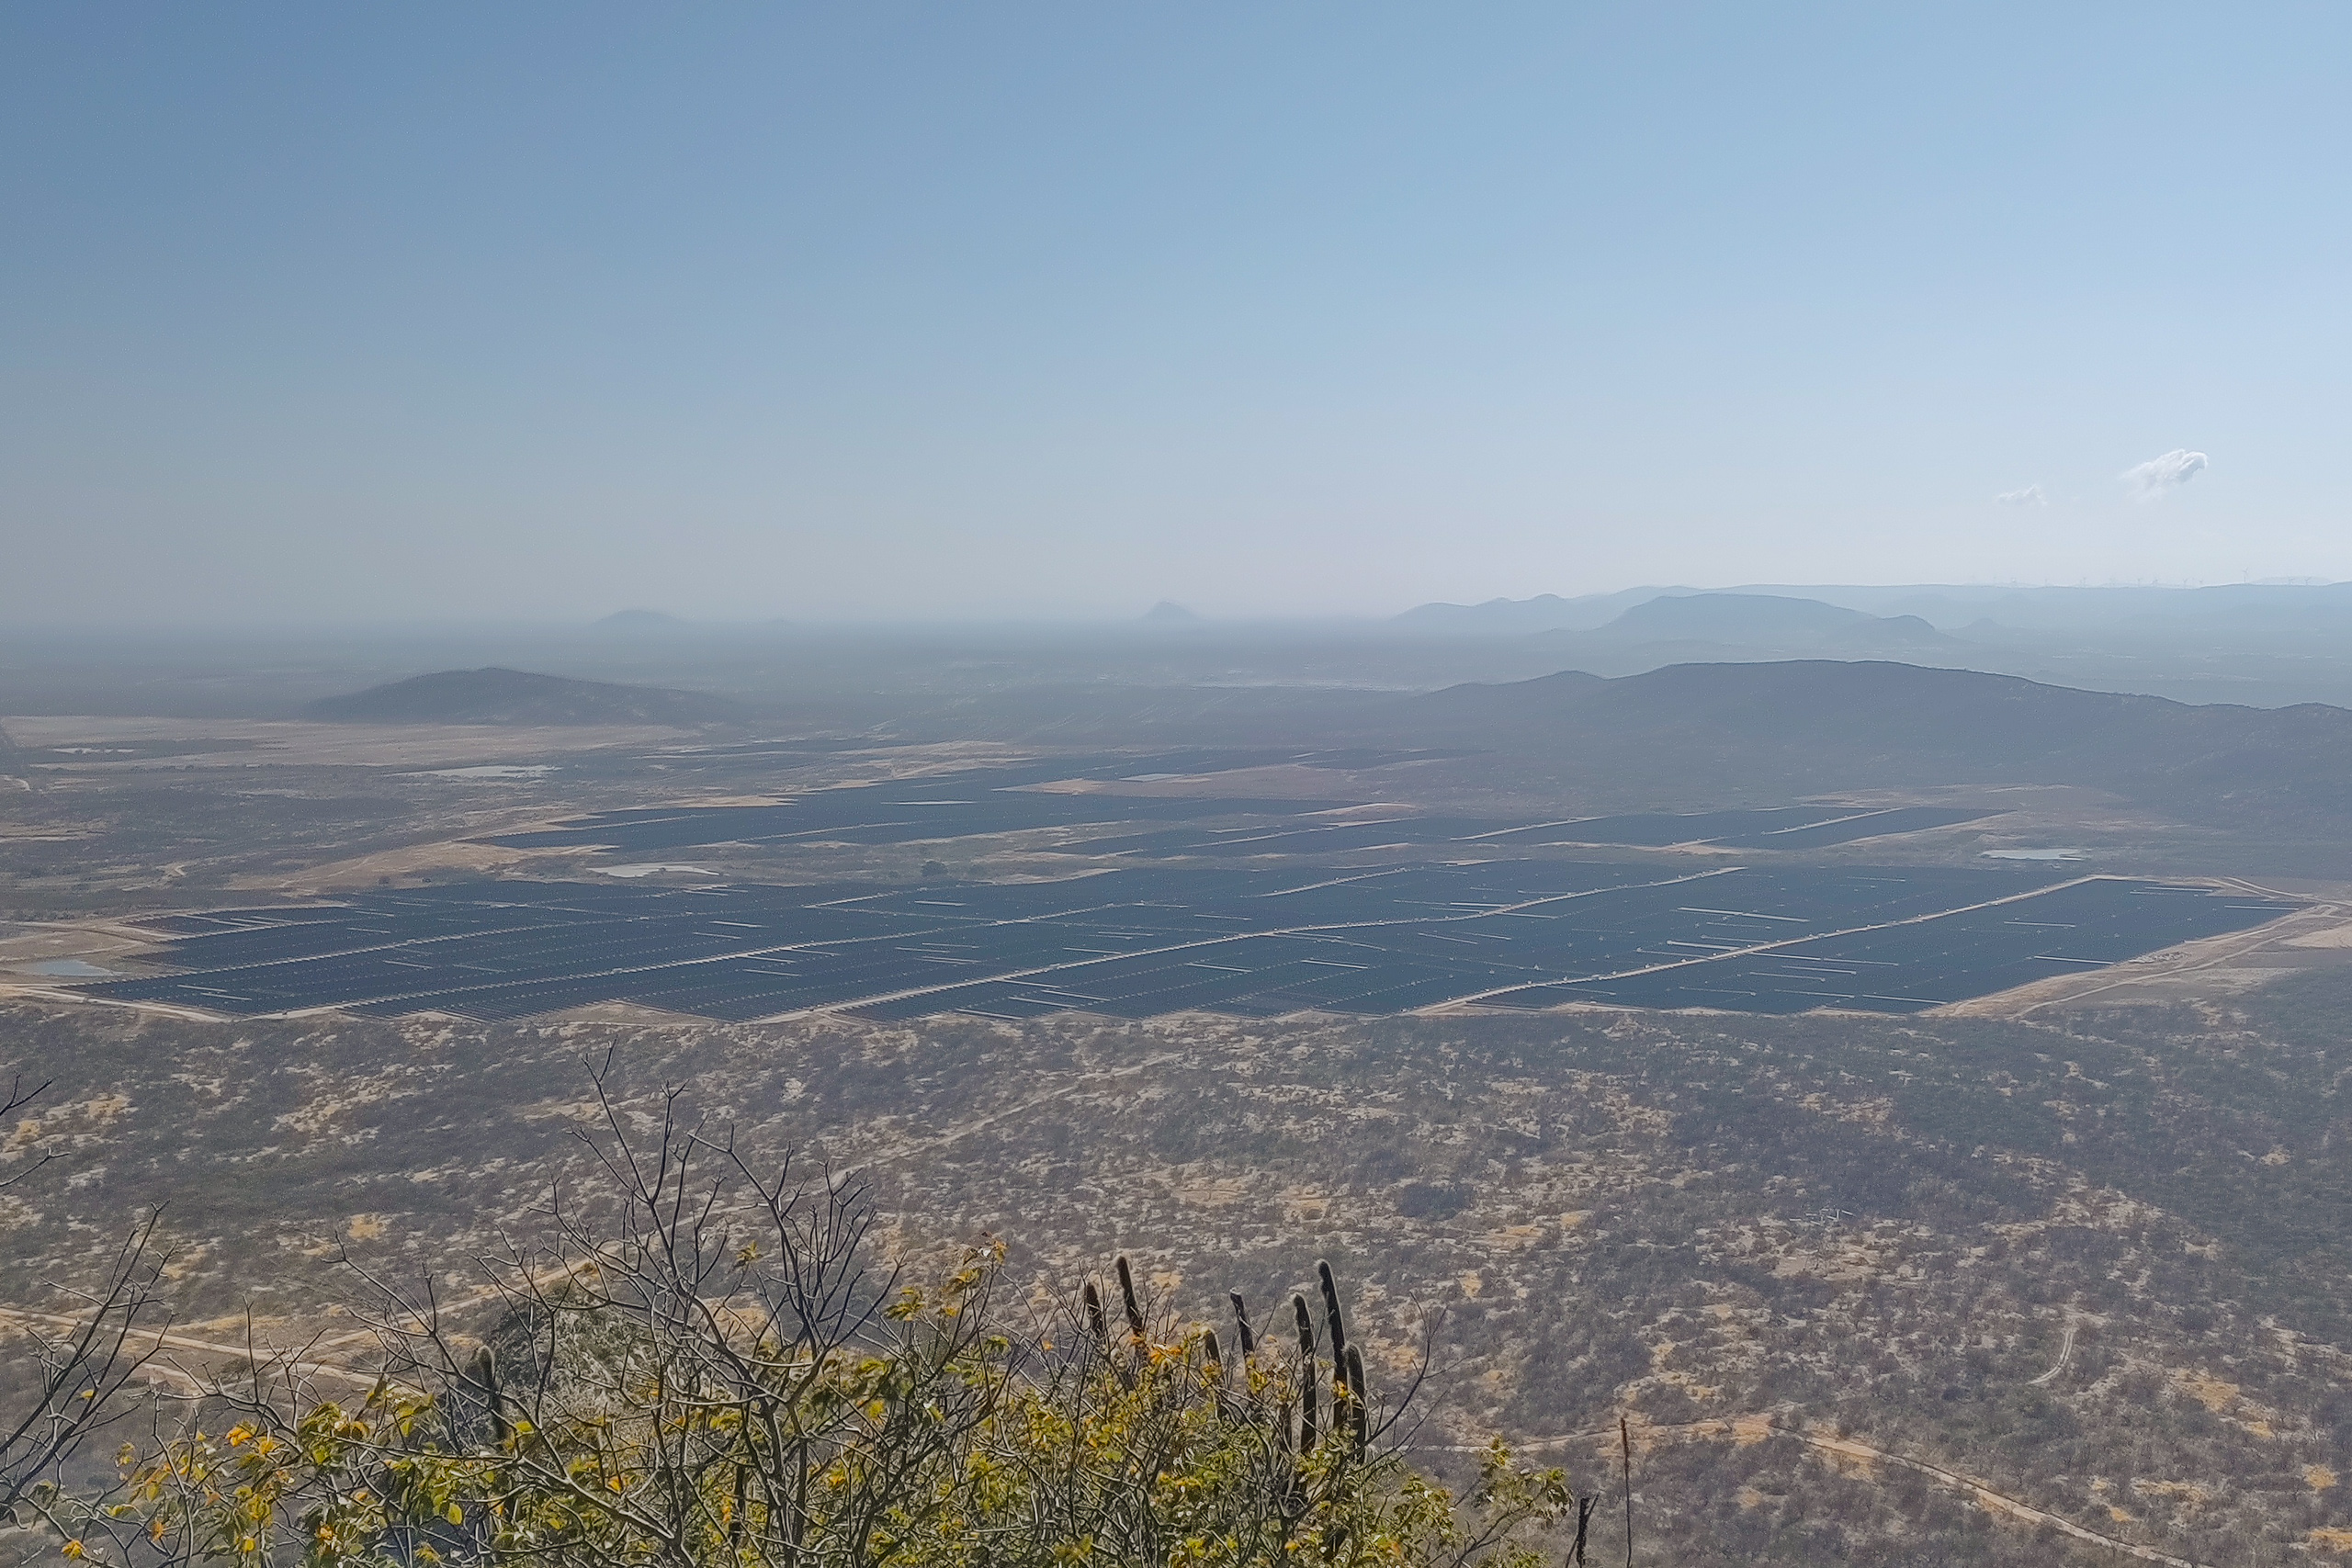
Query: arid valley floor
x,y
2057,1269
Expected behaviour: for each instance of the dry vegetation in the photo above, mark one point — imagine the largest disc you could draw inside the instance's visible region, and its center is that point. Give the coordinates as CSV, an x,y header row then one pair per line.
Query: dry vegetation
x,y
2094,1262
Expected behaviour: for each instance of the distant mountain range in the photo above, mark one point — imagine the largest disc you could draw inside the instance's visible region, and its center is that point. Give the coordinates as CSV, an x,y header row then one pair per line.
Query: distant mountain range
x,y
1517,617
1767,622
493,695
2106,609
1946,607
1819,724
2269,644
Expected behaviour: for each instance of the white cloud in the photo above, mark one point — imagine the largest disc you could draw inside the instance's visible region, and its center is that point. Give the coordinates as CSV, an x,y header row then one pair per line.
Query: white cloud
x,y
2030,496
2151,479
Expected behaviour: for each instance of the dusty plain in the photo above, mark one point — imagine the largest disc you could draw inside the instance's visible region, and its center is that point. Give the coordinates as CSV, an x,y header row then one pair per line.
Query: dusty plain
x,y
2059,1271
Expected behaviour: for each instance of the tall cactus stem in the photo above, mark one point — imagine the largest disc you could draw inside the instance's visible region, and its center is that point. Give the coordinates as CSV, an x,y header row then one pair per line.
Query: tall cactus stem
x,y
1127,1294
486,1370
1094,1319
1331,1312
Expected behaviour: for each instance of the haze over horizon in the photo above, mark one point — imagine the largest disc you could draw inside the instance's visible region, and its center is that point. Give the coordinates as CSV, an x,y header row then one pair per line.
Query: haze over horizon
x,y
1658,698
886,314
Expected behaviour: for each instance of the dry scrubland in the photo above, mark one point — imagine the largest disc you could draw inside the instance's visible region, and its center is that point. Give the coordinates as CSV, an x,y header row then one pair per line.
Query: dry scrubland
x,y
1895,1232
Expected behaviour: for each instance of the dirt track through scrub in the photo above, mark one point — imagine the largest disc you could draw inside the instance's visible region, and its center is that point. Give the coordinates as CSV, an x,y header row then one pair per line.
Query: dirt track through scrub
x,y
1749,1428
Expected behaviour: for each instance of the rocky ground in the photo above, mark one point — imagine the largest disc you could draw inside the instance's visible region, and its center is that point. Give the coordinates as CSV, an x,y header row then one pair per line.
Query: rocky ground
x,y
2094,1262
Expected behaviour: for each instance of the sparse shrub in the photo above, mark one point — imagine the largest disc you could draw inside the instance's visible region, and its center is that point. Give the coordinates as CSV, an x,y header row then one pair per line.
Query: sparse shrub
x,y
1431,1200
723,1373
70,1374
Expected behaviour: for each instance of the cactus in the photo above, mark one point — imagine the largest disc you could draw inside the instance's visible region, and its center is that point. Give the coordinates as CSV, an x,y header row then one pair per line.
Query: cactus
x,y
1248,1337
1331,1312
1094,1319
1306,1375
1341,1387
1127,1294
1347,1365
1267,1404
486,1372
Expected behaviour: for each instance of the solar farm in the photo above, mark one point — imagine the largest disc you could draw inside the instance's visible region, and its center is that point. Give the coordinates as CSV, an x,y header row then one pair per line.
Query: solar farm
x,y
1133,944
1236,904
1014,799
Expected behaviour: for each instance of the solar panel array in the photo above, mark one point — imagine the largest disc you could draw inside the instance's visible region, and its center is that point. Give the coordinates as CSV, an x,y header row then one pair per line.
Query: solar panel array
x,y
1148,940
980,801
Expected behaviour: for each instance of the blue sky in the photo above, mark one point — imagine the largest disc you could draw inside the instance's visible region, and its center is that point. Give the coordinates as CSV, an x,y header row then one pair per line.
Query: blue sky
x,y
846,312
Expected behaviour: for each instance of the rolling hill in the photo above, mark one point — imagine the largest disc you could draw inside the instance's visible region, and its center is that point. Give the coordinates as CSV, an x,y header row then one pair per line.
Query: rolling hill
x,y
1769,620
1821,724
1518,617
492,695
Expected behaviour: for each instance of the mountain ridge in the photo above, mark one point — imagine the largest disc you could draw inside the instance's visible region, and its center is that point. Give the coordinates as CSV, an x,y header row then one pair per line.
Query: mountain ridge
x,y
1515,617
1769,620
496,695
1828,724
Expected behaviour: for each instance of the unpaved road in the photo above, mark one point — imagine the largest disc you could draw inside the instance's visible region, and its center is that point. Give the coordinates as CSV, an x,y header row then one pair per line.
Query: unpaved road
x,y
1753,1429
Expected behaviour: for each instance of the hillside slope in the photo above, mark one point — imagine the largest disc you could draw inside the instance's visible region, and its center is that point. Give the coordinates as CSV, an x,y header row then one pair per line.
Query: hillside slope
x,y
1821,724
1518,617
493,695
1771,620
2101,1262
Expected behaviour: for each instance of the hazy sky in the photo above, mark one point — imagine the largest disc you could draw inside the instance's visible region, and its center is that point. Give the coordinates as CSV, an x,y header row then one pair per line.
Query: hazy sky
x,y
398,310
